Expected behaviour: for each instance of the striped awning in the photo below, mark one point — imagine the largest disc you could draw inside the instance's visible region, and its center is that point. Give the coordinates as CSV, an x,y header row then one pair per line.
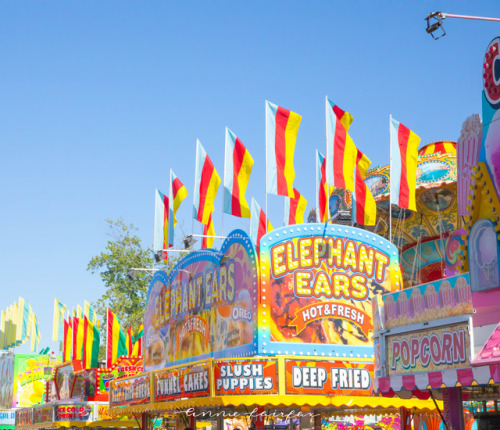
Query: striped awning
x,y
449,378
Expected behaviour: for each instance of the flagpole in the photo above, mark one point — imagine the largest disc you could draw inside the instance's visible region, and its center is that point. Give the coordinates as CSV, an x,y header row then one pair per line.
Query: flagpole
x,y
224,189
390,178
317,189
266,158
194,190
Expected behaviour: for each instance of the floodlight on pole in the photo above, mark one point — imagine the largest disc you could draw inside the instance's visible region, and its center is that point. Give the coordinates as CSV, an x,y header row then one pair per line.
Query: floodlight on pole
x,y
132,273
435,22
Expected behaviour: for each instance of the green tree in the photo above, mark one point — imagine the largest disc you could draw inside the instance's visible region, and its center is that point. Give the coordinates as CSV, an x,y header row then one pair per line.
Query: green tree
x,y
124,296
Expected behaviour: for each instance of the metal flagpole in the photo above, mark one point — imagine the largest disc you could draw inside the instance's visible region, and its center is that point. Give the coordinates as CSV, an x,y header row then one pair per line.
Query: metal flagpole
x,y
390,179
317,189
154,232
266,160
224,188
194,191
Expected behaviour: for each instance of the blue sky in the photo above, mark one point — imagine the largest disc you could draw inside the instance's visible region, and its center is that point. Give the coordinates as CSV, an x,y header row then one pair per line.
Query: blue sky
x,y
101,99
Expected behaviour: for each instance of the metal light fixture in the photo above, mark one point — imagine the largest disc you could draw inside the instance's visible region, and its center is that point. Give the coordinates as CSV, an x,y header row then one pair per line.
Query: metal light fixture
x,y
132,274
158,256
188,241
435,25
435,22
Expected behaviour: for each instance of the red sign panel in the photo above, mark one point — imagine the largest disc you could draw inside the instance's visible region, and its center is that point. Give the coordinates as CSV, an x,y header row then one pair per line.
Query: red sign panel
x,y
328,378
246,377
131,391
189,381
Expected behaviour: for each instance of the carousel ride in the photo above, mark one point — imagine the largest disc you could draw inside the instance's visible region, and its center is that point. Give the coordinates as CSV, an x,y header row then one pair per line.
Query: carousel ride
x,y
428,240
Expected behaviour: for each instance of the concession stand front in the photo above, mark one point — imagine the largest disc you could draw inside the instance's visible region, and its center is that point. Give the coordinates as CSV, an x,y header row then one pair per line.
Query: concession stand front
x,y
443,337
78,397
237,343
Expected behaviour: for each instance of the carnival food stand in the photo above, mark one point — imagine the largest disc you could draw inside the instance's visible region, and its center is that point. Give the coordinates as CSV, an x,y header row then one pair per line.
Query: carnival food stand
x,y
230,336
78,397
444,337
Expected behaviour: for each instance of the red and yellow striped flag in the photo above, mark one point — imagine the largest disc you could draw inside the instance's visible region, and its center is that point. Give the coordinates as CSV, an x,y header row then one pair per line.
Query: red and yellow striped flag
x,y
128,340
116,345
237,169
340,148
323,190
295,208
91,341
282,127
78,334
206,185
137,350
178,193
259,224
68,340
208,230
364,209
404,157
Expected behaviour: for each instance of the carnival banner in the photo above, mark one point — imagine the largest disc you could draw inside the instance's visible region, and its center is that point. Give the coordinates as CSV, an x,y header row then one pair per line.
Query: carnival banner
x,y
30,373
130,391
24,416
44,414
246,377
433,349
6,380
74,412
125,367
182,382
204,307
317,282
328,378
428,302
64,378
8,419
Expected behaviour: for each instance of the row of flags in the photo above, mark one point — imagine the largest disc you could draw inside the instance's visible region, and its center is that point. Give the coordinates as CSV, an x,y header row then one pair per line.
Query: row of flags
x,y
18,324
119,342
81,336
344,166
81,341
59,316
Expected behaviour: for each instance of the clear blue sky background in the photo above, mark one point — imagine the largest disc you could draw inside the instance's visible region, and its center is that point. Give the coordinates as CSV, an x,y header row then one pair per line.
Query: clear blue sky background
x,y
100,99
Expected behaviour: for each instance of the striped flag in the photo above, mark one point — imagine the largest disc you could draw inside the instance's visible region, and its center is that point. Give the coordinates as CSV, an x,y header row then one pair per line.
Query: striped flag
x,y
322,189
259,224
206,185
295,208
208,230
68,340
91,341
128,340
404,156
178,193
88,311
79,311
9,328
35,335
340,149
160,241
58,322
137,349
364,209
238,165
116,345
78,335
282,127
24,318
2,330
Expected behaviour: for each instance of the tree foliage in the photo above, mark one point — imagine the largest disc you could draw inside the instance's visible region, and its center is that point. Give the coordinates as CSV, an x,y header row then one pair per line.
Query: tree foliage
x,y
124,296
